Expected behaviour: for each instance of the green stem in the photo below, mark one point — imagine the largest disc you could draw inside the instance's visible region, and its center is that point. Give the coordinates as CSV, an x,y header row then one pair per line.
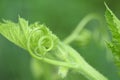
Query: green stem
x,y
71,58
89,72
76,62
84,68
79,27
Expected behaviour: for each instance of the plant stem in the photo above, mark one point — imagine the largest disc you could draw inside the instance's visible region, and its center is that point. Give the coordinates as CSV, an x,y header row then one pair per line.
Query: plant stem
x,y
83,67
79,27
66,56
89,72
74,61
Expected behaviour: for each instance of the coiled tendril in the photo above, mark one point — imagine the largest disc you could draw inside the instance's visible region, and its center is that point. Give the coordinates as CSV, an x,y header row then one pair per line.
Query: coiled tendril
x,y
40,40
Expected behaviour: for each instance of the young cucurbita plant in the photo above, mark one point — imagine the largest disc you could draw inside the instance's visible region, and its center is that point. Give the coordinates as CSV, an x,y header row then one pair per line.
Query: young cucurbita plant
x,y
43,45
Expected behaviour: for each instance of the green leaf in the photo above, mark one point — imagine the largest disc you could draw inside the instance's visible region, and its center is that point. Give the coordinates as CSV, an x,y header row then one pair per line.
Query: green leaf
x,y
12,31
35,37
114,26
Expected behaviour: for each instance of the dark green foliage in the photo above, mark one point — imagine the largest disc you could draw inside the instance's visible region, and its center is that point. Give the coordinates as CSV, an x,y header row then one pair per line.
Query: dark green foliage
x,y
114,26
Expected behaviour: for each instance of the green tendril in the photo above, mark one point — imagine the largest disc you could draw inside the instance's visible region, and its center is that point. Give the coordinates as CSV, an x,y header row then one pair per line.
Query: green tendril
x,y
42,44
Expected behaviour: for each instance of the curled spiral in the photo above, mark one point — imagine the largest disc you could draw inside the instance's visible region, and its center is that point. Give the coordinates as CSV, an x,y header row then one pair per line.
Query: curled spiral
x,y
41,41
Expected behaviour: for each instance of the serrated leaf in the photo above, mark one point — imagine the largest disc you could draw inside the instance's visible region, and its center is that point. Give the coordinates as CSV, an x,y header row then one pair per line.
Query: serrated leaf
x,y
12,31
114,26
35,37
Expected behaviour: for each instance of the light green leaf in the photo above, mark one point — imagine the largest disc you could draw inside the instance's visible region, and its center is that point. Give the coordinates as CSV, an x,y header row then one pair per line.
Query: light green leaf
x,y
35,37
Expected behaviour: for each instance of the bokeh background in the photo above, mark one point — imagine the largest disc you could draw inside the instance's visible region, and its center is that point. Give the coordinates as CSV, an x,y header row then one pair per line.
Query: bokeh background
x,y
61,16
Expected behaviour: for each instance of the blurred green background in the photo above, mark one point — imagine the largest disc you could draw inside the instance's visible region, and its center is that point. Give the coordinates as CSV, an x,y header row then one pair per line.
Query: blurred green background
x,y
61,16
